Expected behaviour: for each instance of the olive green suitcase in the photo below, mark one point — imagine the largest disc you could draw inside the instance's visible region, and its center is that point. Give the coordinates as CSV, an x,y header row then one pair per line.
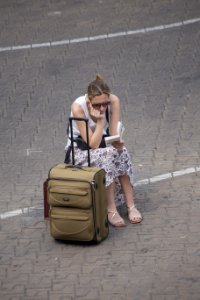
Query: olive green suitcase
x,y
76,195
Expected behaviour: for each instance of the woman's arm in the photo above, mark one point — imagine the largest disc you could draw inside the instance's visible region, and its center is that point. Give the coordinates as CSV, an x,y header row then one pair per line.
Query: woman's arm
x,y
114,119
94,137
114,114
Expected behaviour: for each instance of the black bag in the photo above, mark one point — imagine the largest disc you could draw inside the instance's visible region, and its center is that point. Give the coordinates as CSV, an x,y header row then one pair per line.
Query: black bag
x,y
81,144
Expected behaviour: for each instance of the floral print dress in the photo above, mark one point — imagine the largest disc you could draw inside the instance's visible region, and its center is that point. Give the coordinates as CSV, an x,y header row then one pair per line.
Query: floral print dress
x,y
115,163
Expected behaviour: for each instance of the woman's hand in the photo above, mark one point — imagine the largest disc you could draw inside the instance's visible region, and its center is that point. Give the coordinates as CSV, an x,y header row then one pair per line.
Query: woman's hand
x,y
95,113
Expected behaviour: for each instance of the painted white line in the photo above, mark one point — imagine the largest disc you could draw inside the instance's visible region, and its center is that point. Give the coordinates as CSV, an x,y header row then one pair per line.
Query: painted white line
x,y
184,172
20,47
29,151
47,44
54,13
111,35
18,212
59,43
101,37
142,182
160,177
173,25
79,40
168,176
191,21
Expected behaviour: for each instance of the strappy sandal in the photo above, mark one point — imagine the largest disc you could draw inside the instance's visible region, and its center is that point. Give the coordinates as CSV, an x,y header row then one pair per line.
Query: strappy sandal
x,y
134,215
115,221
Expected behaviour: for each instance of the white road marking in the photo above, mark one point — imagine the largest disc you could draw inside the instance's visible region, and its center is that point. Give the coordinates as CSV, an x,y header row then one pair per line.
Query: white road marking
x,y
101,37
168,176
17,212
154,179
54,13
31,150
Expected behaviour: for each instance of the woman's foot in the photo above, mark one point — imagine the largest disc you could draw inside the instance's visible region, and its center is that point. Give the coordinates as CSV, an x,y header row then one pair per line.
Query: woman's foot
x,y
134,215
115,220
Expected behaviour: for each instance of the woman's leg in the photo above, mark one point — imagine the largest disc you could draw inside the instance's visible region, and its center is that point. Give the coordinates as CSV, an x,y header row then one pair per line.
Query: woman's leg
x,y
113,215
133,214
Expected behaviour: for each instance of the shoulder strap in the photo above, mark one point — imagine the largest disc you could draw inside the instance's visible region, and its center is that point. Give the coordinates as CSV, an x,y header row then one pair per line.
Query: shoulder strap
x,y
107,115
67,129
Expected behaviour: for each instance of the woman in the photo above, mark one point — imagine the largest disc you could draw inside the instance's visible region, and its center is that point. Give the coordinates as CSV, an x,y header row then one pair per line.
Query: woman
x,y
103,111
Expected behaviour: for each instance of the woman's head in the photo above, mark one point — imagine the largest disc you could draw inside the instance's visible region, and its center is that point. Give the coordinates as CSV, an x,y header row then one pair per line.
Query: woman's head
x,y
97,88
98,94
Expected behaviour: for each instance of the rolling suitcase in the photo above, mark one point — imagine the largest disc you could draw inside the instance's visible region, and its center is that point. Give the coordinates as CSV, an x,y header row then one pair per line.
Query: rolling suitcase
x,y
76,195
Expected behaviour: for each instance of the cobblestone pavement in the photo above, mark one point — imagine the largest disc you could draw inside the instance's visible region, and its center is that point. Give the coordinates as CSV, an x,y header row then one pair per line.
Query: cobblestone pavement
x,y
156,73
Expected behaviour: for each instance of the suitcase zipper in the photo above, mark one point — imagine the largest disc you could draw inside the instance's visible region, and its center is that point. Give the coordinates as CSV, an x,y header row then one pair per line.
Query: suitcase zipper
x,y
68,190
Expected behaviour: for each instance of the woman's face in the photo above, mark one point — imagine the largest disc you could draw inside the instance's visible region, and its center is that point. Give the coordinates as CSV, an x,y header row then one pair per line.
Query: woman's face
x,y
100,103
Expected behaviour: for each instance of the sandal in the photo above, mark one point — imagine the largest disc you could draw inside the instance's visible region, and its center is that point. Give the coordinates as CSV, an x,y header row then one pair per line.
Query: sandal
x,y
115,220
134,215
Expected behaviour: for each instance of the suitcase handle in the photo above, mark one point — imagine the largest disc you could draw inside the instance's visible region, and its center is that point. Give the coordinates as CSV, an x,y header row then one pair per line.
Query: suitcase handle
x,y
72,138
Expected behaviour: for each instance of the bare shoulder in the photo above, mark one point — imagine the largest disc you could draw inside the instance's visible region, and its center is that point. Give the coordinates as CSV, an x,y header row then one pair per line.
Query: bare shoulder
x,y
77,109
114,98
115,103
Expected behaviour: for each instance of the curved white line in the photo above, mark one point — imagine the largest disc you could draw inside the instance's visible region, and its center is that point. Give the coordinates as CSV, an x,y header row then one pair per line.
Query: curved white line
x,y
100,37
21,211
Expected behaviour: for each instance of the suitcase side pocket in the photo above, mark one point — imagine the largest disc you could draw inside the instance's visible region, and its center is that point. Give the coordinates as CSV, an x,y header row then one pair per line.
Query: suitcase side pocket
x,y
69,194
71,224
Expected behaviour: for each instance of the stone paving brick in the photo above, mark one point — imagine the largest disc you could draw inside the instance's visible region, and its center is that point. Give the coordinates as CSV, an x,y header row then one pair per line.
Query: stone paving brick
x,y
10,297
32,294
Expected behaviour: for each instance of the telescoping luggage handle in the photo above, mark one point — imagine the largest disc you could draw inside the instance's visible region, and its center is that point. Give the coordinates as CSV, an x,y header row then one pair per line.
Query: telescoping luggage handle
x,y
71,119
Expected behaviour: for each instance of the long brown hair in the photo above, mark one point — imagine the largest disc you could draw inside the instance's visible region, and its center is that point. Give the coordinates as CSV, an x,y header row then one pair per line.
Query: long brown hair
x,y
97,87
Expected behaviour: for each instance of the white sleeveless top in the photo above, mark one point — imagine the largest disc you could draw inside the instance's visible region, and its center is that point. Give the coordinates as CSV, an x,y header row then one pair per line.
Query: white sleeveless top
x,y
92,125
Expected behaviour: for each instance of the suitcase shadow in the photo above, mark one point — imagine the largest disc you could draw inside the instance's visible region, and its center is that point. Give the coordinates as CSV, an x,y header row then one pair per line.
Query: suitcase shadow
x,y
79,243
